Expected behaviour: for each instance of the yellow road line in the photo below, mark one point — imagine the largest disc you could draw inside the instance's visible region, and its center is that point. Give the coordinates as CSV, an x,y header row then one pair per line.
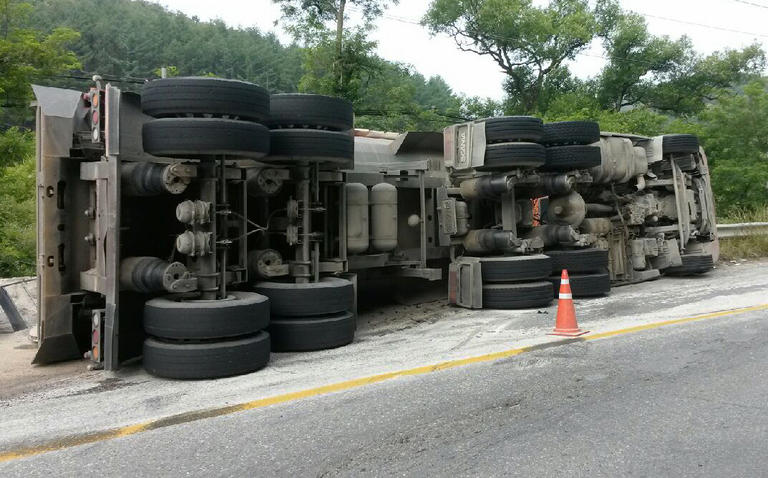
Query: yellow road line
x,y
76,440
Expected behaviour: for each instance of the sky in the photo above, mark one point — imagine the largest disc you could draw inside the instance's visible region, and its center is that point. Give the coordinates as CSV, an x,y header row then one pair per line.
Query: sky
x,y
721,24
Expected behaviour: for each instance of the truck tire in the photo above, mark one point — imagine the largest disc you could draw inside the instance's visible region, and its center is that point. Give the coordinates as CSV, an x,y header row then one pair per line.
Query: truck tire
x,y
205,360
585,285
517,296
312,333
506,156
296,110
242,313
693,264
571,132
290,145
513,128
170,97
680,143
578,260
204,137
329,296
569,158
515,269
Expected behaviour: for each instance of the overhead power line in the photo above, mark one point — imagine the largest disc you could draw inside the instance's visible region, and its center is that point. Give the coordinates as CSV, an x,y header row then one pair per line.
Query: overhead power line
x,y
391,17
704,25
647,15
616,58
753,4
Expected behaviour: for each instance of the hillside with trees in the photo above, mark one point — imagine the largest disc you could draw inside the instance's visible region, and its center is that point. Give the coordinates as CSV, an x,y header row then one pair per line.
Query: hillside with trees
x,y
386,95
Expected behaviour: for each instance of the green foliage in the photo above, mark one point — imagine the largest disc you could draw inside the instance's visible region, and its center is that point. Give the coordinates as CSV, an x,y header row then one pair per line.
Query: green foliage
x,y
641,120
737,126
735,134
530,43
637,61
17,214
323,69
739,186
398,99
478,108
581,106
134,39
15,146
305,18
148,37
338,59
28,55
170,71
697,81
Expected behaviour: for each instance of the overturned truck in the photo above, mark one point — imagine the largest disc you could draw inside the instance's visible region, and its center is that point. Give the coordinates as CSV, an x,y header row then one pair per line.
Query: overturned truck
x,y
203,223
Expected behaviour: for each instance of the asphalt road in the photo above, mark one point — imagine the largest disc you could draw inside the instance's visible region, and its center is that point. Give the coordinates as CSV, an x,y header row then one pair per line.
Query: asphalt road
x,y
676,401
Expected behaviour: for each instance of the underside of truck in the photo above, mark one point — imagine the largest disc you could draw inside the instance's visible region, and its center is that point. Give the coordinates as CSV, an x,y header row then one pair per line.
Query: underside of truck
x,y
203,223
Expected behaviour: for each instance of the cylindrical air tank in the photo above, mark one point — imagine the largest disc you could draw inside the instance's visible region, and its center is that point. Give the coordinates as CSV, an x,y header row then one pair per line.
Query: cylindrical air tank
x,y
357,218
384,217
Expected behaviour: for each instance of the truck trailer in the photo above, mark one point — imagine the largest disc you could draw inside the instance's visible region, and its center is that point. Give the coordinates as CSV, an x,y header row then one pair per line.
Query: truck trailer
x,y
204,223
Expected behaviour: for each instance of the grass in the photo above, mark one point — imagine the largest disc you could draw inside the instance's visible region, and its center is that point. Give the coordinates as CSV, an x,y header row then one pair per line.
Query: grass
x,y
744,247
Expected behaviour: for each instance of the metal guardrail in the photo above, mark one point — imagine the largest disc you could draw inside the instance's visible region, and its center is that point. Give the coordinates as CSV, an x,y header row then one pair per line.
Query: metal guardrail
x,y
725,231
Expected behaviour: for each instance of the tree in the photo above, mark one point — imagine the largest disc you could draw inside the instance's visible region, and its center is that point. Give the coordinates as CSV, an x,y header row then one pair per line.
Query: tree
x,y
326,72
17,218
735,129
697,81
15,146
528,42
399,99
337,56
148,37
666,75
28,55
637,60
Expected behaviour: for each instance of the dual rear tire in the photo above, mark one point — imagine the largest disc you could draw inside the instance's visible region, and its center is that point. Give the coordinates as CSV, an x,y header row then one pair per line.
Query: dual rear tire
x,y
587,271
519,142
311,316
206,360
570,145
516,282
201,118
311,129
205,339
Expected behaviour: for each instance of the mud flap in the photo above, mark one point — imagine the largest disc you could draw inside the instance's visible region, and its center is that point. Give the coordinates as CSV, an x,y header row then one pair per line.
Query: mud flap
x,y
465,283
57,335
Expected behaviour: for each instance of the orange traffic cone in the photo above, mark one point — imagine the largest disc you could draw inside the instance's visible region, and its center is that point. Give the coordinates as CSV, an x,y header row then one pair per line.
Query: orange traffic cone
x,y
566,325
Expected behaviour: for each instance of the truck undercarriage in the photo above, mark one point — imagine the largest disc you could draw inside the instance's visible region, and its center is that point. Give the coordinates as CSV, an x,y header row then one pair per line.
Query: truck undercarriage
x,y
203,224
